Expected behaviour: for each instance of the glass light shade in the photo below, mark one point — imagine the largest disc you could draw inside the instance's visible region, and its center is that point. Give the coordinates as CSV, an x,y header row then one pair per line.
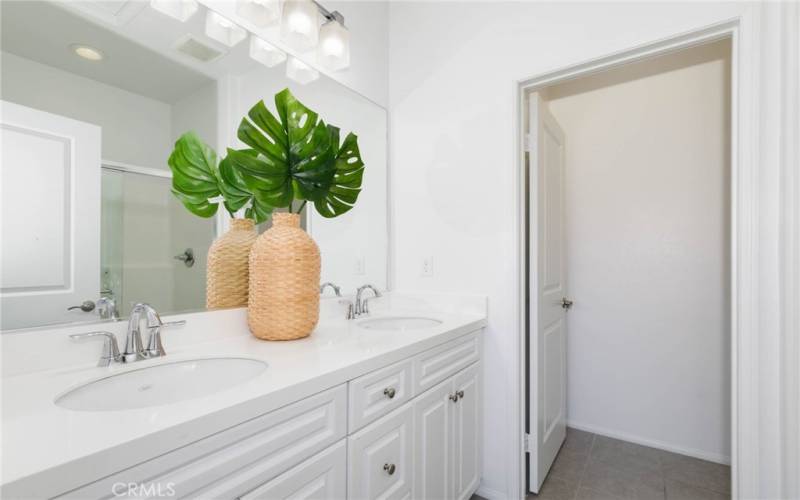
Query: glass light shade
x,y
260,12
181,10
265,53
300,24
333,50
223,30
300,72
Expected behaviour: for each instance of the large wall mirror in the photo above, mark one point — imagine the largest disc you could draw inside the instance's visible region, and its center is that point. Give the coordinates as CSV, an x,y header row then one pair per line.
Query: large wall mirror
x,y
94,95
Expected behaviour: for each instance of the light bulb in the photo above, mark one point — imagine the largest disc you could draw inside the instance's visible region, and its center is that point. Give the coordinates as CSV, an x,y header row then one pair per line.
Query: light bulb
x,y
300,72
223,29
265,53
334,46
262,13
300,24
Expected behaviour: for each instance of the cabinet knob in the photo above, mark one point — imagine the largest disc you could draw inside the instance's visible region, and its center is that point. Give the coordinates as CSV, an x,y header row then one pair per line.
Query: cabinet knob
x,y
453,397
389,468
460,394
389,392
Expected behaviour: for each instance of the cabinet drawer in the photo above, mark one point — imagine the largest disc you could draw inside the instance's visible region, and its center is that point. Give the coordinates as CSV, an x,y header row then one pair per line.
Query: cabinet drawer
x,y
323,476
376,394
238,459
435,365
381,458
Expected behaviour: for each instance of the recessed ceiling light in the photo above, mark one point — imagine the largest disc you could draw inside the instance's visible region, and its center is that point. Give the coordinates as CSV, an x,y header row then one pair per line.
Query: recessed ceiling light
x,y
87,52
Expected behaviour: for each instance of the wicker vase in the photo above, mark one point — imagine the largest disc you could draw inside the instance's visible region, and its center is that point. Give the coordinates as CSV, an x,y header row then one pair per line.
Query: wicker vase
x,y
284,281
228,266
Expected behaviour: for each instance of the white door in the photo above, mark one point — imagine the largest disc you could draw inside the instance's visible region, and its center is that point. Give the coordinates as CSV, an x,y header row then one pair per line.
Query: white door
x,y
50,176
547,280
467,432
380,458
433,435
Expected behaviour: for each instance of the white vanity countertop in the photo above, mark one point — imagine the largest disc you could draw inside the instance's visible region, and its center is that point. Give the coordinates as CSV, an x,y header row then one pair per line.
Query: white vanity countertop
x,y
49,449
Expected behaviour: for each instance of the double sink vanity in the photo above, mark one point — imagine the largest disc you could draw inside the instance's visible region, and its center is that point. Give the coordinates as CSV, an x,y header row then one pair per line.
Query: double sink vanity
x,y
387,405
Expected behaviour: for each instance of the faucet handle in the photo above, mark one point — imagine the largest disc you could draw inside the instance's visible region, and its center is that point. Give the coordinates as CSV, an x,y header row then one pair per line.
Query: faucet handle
x,y
155,346
110,346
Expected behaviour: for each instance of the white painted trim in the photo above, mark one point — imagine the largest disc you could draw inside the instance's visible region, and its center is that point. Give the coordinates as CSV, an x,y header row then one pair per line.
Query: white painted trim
x,y
135,169
744,32
652,443
490,494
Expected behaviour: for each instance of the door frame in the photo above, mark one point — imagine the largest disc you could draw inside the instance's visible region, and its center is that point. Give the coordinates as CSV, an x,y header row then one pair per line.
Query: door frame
x,y
745,196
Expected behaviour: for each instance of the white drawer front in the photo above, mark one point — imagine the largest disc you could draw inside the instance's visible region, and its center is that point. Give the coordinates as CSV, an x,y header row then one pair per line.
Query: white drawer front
x,y
376,394
381,458
323,476
435,365
236,460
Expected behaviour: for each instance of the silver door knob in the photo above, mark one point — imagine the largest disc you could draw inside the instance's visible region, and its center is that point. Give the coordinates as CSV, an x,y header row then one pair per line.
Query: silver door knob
x,y
86,306
389,468
389,392
566,303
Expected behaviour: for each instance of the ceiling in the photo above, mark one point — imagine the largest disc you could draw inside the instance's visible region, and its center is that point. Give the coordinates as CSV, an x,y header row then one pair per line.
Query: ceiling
x,y
44,32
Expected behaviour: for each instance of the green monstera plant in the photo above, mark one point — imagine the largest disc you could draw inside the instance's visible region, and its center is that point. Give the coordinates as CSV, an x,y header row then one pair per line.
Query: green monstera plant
x,y
293,158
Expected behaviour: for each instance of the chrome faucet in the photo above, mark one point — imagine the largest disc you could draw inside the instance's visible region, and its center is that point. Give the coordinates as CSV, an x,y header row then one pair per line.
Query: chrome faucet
x,y
336,289
134,350
362,306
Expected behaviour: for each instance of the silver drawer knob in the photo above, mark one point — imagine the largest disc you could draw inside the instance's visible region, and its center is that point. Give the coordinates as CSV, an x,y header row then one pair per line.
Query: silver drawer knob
x,y
389,468
460,394
389,392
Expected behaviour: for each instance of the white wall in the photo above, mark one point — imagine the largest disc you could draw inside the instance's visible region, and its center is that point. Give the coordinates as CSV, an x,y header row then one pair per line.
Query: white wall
x,y
136,129
648,260
453,69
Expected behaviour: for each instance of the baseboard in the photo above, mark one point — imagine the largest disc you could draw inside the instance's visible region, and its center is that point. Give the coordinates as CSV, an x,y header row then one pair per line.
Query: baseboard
x,y
711,457
490,494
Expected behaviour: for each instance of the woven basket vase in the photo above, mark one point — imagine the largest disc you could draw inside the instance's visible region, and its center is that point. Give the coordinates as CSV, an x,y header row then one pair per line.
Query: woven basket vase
x,y
284,281
228,264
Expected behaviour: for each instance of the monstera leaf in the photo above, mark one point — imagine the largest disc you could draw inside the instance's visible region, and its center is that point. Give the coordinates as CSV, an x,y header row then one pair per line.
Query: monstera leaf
x,y
295,157
194,175
349,171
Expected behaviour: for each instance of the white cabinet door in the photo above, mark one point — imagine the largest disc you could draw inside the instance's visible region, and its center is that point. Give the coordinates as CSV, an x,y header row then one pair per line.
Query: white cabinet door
x,y
321,477
50,216
433,438
380,465
467,432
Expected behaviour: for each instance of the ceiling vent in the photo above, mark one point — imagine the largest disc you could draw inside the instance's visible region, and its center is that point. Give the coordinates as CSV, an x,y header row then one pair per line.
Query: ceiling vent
x,y
196,49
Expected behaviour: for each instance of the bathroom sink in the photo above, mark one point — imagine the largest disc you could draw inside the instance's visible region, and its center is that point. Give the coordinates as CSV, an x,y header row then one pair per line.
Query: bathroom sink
x,y
161,384
399,323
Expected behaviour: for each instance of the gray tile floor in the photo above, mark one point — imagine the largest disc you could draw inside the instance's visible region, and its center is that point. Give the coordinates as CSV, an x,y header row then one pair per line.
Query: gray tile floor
x,y
591,467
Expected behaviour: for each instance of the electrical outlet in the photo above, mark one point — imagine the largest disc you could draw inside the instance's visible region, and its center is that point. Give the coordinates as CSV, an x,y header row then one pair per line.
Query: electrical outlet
x,y
360,267
427,266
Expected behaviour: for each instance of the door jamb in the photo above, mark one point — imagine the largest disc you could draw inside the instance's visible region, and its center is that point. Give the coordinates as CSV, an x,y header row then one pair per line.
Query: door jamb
x,y
744,238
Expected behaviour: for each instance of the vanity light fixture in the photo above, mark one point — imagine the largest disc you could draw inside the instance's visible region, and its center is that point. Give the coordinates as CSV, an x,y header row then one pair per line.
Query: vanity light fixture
x,y
86,52
181,10
333,50
300,72
223,30
265,53
262,13
300,24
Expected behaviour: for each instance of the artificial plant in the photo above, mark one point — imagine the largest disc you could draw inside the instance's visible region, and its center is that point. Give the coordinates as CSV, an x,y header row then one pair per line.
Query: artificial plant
x,y
292,157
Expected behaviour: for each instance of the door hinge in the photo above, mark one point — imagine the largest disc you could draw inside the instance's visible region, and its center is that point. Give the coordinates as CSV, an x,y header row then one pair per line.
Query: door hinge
x,y
527,443
530,142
